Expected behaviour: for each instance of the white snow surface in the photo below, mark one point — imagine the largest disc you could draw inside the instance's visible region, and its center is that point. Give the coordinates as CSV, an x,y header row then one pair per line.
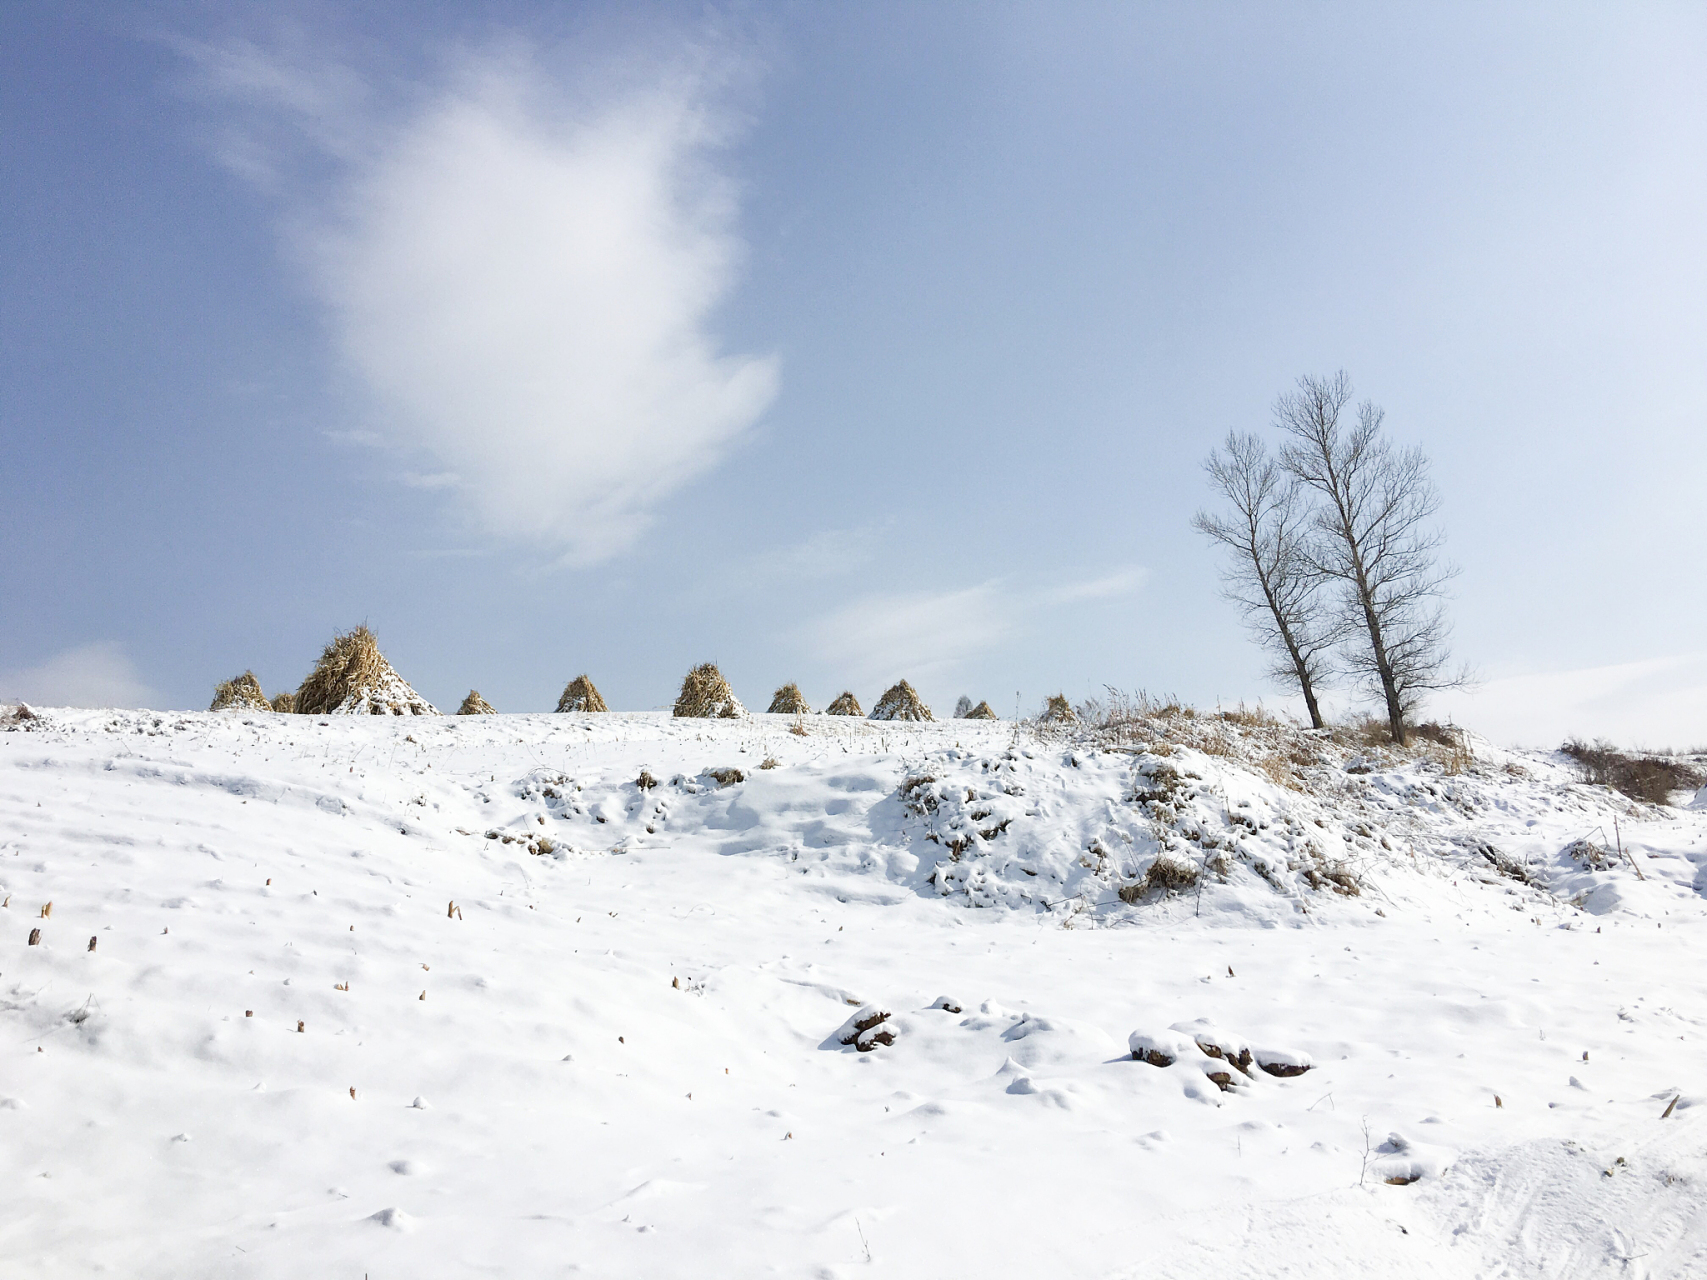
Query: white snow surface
x,y
552,1023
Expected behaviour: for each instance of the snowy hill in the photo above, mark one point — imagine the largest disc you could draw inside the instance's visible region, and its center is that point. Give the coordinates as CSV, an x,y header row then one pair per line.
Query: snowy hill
x,y
568,994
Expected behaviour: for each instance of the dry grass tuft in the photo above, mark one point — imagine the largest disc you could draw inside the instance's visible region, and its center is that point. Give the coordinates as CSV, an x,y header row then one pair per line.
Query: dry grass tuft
x,y
981,712
846,705
1165,875
1251,717
706,695
1280,773
1366,733
284,703
1650,778
899,702
580,695
353,678
240,693
1057,710
475,705
789,701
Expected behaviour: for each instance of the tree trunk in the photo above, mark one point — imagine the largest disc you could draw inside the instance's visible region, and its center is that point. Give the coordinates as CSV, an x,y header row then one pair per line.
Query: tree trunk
x,y
1298,664
1383,668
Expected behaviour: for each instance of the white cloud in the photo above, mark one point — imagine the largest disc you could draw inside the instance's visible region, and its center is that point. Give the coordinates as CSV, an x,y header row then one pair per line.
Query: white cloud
x,y
91,675
924,634
1120,583
829,553
917,634
1656,702
525,284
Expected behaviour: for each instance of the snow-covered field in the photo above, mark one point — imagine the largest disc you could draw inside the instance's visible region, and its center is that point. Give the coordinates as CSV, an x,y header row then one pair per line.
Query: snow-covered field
x,y
619,1052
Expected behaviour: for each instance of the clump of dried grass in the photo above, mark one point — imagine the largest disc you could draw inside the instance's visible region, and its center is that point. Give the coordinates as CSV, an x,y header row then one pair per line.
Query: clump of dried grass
x,y
284,703
353,678
706,695
981,712
1651,778
845,705
789,701
1280,773
1164,874
240,693
475,705
1121,717
1251,717
900,702
1058,710
580,695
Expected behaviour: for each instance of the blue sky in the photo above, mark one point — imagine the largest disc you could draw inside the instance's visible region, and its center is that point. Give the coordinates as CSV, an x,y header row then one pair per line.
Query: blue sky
x,y
833,343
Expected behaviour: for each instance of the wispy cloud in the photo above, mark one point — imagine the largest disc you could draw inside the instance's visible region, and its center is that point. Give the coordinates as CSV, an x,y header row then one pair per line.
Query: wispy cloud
x,y
91,675
1120,583
523,279
829,553
925,634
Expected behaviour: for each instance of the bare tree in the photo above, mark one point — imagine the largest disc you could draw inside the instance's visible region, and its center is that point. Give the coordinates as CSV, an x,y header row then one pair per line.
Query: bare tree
x,y
1272,577
1373,538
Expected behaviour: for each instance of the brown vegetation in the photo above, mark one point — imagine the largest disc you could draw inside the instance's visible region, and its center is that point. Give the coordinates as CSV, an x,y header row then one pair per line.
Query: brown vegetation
x,y
353,678
845,705
240,693
706,695
1058,710
900,702
580,695
1647,777
475,705
788,701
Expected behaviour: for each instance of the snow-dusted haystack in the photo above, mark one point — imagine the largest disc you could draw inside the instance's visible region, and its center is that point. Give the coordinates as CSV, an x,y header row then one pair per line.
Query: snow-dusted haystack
x,y
475,705
706,695
789,701
240,693
845,705
1058,710
580,695
980,712
901,703
284,703
353,678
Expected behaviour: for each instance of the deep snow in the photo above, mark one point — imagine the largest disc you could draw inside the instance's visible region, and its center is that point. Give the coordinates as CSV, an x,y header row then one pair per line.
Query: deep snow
x,y
621,1052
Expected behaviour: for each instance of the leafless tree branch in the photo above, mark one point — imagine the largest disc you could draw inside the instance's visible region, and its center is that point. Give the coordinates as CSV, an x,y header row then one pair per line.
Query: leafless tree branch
x,y
1271,575
1372,537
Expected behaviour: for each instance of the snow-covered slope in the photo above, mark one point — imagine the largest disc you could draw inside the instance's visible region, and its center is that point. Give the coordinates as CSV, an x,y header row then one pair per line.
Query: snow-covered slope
x,y
463,997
